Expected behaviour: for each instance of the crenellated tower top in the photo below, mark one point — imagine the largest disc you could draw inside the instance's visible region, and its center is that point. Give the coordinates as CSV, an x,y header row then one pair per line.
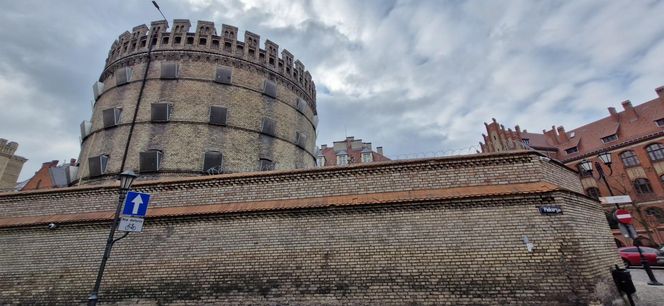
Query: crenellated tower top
x,y
204,37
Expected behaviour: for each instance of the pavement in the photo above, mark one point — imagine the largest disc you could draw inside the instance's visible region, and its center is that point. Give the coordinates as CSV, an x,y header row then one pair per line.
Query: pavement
x,y
647,295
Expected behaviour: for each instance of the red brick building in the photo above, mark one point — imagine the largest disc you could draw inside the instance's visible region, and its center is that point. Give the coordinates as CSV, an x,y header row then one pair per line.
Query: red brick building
x,y
634,138
349,151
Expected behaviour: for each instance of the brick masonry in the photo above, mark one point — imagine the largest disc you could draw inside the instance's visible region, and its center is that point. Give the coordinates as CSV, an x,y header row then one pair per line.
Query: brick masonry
x,y
454,242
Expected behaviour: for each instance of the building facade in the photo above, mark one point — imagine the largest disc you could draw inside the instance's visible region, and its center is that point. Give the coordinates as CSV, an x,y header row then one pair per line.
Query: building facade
x,y
52,175
10,165
175,101
633,138
348,151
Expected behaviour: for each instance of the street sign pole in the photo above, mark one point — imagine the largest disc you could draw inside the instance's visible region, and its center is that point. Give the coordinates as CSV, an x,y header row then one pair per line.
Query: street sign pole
x,y
94,296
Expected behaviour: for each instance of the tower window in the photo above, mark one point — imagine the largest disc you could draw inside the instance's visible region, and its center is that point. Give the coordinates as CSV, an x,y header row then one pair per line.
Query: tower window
x,y
218,115
223,75
111,117
164,40
215,44
97,165
266,164
270,89
161,112
301,105
301,139
213,162
268,126
150,161
202,41
123,76
169,71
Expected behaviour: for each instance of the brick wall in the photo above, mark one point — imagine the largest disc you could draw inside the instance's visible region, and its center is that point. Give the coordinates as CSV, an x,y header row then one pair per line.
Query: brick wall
x,y
465,249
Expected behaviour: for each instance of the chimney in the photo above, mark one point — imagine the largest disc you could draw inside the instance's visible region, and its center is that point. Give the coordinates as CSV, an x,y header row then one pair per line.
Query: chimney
x,y
379,150
614,114
629,110
660,91
323,147
350,138
562,135
518,129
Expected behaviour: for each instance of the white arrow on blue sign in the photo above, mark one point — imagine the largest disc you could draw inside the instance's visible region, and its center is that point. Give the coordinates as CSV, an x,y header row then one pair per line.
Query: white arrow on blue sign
x,y
136,204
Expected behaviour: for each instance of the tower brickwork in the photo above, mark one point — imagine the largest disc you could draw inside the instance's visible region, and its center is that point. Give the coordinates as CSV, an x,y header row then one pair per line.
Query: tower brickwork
x,y
208,104
10,165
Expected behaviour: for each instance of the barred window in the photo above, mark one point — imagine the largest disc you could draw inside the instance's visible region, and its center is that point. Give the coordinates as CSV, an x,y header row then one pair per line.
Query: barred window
x,y
265,164
642,185
169,71
97,165
270,89
111,117
655,151
629,158
218,115
123,76
593,192
213,162
223,75
150,161
161,112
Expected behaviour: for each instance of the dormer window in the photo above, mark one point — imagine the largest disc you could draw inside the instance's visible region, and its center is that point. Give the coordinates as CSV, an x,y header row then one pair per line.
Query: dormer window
x,y
659,122
342,158
610,138
525,141
367,155
572,150
320,160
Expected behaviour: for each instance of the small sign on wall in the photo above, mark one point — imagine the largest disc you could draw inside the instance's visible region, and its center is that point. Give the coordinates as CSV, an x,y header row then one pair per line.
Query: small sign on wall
x,y
550,209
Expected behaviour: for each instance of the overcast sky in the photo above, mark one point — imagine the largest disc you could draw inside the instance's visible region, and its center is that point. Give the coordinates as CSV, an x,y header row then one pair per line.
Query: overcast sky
x,y
411,76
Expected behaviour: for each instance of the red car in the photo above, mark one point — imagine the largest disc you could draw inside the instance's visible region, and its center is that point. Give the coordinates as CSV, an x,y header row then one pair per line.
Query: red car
x,y
630,256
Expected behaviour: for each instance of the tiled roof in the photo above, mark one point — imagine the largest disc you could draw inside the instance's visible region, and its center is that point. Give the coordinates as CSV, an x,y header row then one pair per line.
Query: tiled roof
x,y
424,195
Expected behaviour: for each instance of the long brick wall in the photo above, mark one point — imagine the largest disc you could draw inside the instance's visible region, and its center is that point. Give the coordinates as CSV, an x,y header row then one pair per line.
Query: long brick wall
x,y
429,235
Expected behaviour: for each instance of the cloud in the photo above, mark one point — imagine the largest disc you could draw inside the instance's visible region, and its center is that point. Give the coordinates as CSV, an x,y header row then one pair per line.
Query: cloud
x,y
412,76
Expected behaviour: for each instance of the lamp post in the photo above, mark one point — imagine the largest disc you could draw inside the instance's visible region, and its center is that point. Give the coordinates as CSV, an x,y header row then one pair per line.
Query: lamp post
x,y
126,178
605,157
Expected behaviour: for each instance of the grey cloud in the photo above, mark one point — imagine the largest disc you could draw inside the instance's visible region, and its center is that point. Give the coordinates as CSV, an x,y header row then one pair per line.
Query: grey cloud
x,y
413,76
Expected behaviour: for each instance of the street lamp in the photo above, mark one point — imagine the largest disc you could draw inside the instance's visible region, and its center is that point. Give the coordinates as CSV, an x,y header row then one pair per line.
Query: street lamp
x,y
587,166
126,178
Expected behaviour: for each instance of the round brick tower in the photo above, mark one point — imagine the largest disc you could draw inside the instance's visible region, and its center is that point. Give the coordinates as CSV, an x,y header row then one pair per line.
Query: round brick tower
x,y
196,103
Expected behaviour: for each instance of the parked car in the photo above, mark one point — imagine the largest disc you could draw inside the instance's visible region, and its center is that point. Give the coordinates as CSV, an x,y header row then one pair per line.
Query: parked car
x,y
631,257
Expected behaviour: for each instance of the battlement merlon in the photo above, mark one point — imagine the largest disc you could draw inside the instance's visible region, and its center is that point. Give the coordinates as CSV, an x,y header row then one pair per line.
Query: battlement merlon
x,y
8,147
205,37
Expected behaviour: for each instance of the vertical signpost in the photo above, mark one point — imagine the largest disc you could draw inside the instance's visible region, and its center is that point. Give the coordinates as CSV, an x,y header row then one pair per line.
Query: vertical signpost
x,y
625,222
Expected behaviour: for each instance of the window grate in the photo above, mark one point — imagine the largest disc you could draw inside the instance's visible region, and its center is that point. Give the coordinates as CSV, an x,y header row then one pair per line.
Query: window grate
x,y
161,112
223,75
268,127
270,89
97,165
301,139
169,71
150,161
218,115
111,117
123,76
213,162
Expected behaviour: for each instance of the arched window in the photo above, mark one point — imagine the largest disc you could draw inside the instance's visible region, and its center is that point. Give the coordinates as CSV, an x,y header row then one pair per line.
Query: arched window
x,y
656,212
642,185
629,158
593,192
655,151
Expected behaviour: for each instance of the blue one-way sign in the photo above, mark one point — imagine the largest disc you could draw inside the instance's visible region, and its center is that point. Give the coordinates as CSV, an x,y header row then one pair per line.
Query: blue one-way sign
x,y
136,204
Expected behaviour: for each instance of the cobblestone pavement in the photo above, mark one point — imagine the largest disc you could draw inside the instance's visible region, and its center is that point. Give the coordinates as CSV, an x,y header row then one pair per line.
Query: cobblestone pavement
x,y
647,295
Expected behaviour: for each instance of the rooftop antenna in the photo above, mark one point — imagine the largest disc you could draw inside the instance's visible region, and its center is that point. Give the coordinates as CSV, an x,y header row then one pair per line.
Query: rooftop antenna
x,y
158,9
